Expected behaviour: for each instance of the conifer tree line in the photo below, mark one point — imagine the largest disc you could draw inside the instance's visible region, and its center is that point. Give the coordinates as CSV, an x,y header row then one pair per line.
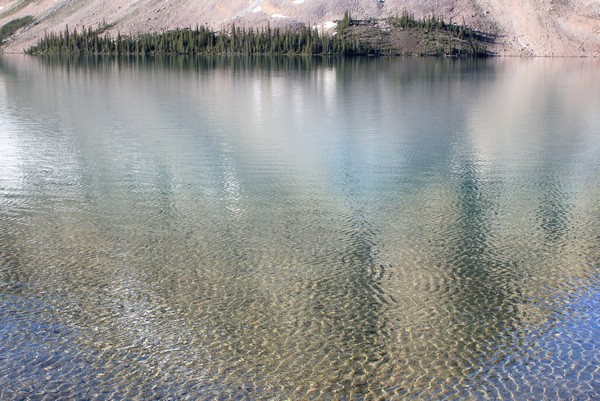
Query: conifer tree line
x,y
200,40
239,41
407,20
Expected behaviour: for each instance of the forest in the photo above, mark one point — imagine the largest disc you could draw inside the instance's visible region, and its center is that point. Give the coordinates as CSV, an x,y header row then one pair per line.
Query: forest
x,y
349,38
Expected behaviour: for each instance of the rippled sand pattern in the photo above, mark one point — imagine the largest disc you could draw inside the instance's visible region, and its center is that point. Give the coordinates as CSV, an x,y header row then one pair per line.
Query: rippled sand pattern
x,y
299,229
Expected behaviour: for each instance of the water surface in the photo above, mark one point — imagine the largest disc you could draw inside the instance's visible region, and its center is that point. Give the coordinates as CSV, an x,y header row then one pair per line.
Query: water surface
x,y
293,228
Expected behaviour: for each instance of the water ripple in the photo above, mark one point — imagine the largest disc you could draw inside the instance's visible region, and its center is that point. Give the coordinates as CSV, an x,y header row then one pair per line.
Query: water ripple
x,y
349,229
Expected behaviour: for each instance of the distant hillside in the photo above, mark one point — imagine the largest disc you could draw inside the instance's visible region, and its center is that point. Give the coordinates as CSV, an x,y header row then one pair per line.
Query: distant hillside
x,y
521,27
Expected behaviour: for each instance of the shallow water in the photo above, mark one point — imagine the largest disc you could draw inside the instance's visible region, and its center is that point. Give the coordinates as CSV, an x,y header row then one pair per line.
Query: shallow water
x,y
299,229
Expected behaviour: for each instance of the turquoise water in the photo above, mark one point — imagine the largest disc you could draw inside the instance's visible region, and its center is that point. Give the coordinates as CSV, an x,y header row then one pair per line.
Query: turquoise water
x,y
288,228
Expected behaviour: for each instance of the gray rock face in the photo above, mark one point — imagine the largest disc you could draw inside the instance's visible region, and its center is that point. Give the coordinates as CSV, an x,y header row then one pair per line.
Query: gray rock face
x,y
523,27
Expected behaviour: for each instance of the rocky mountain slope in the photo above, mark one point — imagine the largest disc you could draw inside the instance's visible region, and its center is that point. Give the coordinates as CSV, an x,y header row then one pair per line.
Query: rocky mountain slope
x,y
523,27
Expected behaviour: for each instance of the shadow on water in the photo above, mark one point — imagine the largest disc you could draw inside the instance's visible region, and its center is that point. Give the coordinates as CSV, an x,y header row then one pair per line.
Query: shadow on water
x,y
486,322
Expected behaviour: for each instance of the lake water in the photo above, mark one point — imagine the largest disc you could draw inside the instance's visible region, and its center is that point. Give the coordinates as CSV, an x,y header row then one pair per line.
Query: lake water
x,y
288,228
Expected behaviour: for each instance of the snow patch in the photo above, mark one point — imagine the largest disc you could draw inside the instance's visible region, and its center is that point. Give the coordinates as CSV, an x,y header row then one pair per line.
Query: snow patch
x,y
523,44
297,1
278,16
257,9
329,25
